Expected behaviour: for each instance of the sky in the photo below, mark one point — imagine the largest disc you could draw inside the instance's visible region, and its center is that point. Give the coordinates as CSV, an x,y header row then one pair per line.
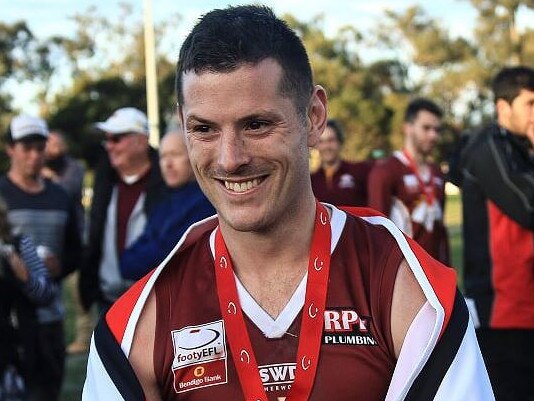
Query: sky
x,y
50,17
47,17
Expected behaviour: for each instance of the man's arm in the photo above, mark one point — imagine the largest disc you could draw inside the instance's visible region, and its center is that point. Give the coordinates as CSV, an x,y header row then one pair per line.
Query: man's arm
x,y
142,353
379,188
512,191
73,248
454,370
408,298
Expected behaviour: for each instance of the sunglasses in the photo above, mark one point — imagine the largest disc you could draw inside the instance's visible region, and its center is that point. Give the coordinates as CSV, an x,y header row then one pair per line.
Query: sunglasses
x,y
114,139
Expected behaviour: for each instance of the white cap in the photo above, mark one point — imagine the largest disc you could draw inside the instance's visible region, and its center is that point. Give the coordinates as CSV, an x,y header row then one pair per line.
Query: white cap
x,y
127,119
24,126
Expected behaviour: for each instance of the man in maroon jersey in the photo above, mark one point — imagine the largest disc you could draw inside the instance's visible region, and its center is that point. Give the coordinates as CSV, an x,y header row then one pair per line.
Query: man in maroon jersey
x,y
279,296
337,181
408,187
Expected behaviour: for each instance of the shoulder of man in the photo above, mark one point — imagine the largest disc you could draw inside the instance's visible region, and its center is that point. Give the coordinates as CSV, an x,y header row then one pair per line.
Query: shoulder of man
x,y
56,190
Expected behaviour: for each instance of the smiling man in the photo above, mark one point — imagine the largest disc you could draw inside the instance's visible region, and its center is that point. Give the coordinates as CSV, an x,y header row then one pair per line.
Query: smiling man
x,y
275,296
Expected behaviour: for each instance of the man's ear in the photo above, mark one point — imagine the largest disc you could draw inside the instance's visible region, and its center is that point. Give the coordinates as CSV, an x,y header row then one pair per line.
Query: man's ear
x,y
317,115
9,149
503,109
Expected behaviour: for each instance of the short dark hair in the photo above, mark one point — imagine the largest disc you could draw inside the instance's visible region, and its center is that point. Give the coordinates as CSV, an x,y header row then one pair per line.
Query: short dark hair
x,y
225,39
421,104
336,126
510,80
9,136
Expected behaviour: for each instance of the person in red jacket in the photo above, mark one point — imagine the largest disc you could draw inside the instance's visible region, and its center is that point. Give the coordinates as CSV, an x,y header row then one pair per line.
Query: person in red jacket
x,y
337,181
496,171
408,187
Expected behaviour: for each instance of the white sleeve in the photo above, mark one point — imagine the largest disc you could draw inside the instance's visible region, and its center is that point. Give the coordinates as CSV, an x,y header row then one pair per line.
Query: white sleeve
x,y
467,376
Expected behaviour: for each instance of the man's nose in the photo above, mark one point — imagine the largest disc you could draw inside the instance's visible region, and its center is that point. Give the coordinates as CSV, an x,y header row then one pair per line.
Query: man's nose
x,y
233,152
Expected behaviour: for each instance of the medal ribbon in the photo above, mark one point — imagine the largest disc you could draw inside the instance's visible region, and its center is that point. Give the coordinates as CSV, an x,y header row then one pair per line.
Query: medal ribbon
x,y
429,191
312,315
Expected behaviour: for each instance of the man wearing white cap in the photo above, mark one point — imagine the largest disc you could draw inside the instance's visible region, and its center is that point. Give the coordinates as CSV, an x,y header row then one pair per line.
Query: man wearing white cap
x,y
43,211
127,184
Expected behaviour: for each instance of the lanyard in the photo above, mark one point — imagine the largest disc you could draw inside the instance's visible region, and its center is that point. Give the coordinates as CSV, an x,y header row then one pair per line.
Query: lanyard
x,y
312,315
429,191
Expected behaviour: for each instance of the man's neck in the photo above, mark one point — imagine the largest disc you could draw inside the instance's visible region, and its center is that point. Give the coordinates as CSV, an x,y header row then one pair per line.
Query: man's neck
x,y
505,125
31,184
138,168
270,265
418,158
333,166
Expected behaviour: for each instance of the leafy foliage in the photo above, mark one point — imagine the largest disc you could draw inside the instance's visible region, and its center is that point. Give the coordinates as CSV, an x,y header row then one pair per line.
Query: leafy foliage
x,y
105,61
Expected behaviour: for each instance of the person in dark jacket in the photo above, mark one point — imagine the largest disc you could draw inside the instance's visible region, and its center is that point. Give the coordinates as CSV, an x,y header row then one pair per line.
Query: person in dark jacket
x,y
23,279
496,174
43,211
183,204
127,185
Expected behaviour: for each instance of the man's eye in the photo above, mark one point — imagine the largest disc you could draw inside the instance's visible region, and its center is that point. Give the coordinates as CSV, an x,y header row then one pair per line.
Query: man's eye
x,y
256,125
201,128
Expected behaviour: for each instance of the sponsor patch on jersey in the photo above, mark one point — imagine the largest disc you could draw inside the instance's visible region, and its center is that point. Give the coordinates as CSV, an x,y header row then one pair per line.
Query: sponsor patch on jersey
x,y
438,181
278,377
410,182
200,357
344,326
346,181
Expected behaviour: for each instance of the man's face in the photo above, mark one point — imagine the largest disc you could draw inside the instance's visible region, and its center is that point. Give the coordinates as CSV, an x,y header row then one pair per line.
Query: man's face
x,y
423,132
174,161
125,149
518,117
247,144
329,147
27,157
55,147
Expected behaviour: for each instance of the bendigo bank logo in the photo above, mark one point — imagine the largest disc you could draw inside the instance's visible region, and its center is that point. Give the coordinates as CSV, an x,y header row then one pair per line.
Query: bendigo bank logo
x,y
343,326
199,356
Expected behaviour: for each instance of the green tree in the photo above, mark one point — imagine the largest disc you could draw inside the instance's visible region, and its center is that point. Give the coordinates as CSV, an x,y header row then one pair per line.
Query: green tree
x,y
106,62
15,41
355,93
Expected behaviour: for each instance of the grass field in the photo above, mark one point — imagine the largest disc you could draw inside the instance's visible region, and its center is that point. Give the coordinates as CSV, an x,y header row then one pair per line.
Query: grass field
x,y
76,364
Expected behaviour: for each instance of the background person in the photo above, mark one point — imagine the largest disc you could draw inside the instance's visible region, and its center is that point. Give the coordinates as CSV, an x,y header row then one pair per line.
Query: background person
x,y
337,181
69,173
497,181
127,184
408,187
183,204
23,280
43,211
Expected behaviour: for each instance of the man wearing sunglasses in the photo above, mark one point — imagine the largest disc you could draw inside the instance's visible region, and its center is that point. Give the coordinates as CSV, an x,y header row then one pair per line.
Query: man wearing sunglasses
x,y
127,184
43,211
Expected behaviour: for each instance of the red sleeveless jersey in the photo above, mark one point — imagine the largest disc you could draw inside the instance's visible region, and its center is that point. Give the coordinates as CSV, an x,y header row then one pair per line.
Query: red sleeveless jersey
x,y
192,357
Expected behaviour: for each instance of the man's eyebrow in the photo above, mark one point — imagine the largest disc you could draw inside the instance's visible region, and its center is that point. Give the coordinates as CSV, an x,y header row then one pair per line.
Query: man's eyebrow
x,y
261,115
193,118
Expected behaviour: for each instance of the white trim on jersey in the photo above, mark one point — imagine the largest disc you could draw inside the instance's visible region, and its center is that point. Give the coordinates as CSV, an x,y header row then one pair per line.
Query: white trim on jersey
x,y
98,385
467,373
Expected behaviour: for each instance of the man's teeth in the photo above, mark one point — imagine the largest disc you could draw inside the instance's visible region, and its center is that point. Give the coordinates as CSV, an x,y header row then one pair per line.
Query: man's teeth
x,y
241,186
